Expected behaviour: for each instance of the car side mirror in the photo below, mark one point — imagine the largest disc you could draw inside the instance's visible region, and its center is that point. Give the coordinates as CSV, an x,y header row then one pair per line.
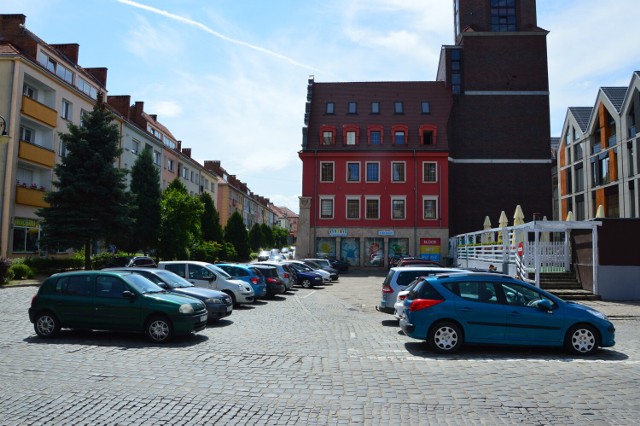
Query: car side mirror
x,y
544,305
128,294
212,278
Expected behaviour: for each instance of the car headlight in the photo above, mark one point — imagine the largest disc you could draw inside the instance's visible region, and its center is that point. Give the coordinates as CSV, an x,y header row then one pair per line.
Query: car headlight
x,y
599,314
213,300
186,309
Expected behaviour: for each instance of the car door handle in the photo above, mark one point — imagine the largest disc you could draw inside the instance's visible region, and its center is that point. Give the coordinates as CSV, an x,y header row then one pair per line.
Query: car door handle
x,y
466,309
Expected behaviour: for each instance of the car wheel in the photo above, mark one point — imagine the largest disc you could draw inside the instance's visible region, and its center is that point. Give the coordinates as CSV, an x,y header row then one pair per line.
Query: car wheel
x,y
159,329
445,337
582,339
46,325
306,283
233,298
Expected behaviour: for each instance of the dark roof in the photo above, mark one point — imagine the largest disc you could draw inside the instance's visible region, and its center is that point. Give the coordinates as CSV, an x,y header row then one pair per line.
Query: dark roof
x,y
616,95
582,116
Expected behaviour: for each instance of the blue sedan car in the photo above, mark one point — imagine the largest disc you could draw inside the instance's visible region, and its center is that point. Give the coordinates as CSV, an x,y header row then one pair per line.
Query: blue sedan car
x,y
483,308
248,274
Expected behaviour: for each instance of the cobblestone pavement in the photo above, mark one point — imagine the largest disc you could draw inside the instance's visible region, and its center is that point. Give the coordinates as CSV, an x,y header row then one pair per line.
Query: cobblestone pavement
x,y
311,356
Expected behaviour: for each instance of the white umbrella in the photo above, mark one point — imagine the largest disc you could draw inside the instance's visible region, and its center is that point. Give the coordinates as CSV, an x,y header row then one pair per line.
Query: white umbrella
x,y
569,216
600,212
503,222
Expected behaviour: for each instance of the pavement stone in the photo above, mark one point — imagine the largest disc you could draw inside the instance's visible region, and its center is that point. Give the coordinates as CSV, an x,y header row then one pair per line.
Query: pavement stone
x,y
311,356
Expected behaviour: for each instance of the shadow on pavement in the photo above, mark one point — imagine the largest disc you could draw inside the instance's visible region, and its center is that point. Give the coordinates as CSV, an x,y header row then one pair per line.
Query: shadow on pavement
x,y
123,341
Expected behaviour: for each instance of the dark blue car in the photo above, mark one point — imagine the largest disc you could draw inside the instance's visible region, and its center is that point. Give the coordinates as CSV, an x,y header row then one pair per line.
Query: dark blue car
x,y
487,308
305,277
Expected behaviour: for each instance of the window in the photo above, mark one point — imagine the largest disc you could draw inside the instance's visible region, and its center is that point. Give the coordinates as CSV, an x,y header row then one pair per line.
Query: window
x,y
375,135
429,172
397,172
429,208
185,173
352,108
372,208
326,172
65,111
26,233
157,158
428,134
426,108
63,149
135,146
375,107
400,135
27,134
85,87
327,135
373,172
326,208
353,172
503,15
30,91
398,107
170,165
398,208
55,67
330,108
353,208
351,134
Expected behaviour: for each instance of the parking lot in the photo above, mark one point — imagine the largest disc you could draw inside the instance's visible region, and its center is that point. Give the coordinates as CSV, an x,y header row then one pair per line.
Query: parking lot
x,y
311,356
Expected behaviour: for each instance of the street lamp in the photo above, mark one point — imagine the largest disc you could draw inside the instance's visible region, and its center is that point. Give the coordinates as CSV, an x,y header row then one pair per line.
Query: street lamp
x,y
4,137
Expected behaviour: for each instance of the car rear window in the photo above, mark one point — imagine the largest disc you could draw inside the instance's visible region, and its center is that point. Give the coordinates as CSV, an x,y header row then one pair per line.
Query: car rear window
x,y
268,272
424,290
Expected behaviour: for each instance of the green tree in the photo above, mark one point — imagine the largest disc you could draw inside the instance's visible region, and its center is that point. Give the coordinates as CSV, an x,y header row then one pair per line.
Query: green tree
x,y
90,202
280,237
180,221
267,234
236,233
211,228
256,239
147,197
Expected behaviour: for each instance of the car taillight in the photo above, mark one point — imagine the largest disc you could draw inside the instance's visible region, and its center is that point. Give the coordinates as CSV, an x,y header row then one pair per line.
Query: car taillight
x,y
33,299
272,280
286,275
387,289
419,304
402,296
255,280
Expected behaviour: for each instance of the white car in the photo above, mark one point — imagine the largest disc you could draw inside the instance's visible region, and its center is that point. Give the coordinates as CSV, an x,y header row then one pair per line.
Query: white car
x,y
207,275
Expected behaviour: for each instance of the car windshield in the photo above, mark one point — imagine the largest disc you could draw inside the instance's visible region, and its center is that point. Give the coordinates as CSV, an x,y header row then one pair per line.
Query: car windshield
x,y
173,280
217,270
323,262
142,284
300,267
312,264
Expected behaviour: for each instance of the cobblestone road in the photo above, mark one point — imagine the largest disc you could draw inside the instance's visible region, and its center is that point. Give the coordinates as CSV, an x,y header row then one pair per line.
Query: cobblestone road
x,y
317,356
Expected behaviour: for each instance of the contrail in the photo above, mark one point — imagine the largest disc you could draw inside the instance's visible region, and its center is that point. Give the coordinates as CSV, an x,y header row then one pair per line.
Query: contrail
x,y
212,32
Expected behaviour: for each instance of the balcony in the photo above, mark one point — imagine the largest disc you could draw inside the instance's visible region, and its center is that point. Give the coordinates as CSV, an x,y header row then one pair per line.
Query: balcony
x,y
36,154
40,112
633,131
28,196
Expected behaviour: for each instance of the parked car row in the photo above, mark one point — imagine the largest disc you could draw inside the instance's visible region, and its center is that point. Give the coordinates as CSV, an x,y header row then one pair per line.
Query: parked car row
x,y
449,308
176,298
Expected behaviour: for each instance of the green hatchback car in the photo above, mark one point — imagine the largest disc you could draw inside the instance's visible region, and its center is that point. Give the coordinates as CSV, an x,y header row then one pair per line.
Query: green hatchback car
x,y
116,301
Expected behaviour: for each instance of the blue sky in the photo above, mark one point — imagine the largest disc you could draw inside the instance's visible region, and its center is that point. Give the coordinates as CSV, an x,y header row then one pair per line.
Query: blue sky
x,y
229,77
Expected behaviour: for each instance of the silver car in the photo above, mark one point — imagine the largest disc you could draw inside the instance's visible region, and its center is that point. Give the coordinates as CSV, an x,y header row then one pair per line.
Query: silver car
x,y
284,275
399,278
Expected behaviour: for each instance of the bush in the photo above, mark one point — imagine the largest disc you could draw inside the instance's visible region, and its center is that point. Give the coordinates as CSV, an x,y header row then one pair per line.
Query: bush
x,y
20,271
5,265
51,265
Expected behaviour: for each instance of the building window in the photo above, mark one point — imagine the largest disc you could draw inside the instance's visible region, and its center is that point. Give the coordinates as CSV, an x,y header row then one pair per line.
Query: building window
x,y
398,107
351,134
185,173
398,208
157,158
63,149
430,208
428,134
353,172
375,135
400,135
429,172
170,165
326,208
352,108
135,146
426,108
373,172
372,208
353,208
27,134
30,91
375,107
26,233
65,111
327,135
326,172
85,87
503,15
330,108
53,66
397,172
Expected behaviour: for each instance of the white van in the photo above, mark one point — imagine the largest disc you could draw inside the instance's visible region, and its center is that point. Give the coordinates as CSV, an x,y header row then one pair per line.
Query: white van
x,y
207,275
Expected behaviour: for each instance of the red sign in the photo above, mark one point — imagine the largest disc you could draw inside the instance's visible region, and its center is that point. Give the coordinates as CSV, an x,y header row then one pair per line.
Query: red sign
x,y
520,251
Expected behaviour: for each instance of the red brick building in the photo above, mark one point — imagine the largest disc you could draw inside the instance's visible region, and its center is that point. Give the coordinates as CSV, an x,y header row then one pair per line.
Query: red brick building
x,y
397,167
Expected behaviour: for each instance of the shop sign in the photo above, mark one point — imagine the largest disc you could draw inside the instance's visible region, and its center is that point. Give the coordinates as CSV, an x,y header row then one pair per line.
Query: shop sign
x,y
386,233
430,249
338,232
27,223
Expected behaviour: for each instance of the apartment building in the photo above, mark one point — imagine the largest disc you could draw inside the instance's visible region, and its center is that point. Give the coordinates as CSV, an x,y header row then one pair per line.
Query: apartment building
x,y
598,156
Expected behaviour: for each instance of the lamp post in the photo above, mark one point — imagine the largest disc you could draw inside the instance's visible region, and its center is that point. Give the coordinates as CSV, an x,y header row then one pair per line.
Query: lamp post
x,y
4,141
4,137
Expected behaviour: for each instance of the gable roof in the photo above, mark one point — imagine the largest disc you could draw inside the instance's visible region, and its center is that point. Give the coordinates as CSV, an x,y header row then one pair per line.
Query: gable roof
x,y
616,95
582,116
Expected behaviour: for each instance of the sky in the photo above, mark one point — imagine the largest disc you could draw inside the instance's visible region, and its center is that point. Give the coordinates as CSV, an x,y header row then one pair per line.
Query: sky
x,y
229,77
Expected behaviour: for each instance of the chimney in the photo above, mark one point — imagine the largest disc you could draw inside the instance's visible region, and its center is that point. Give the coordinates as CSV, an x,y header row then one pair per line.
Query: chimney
x,y
154,116
99,74
12,25
187,152
136,115
70,50
121,104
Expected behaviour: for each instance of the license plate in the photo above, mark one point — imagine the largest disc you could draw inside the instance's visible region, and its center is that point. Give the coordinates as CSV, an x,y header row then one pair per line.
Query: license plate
x,y
229,308
203,318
